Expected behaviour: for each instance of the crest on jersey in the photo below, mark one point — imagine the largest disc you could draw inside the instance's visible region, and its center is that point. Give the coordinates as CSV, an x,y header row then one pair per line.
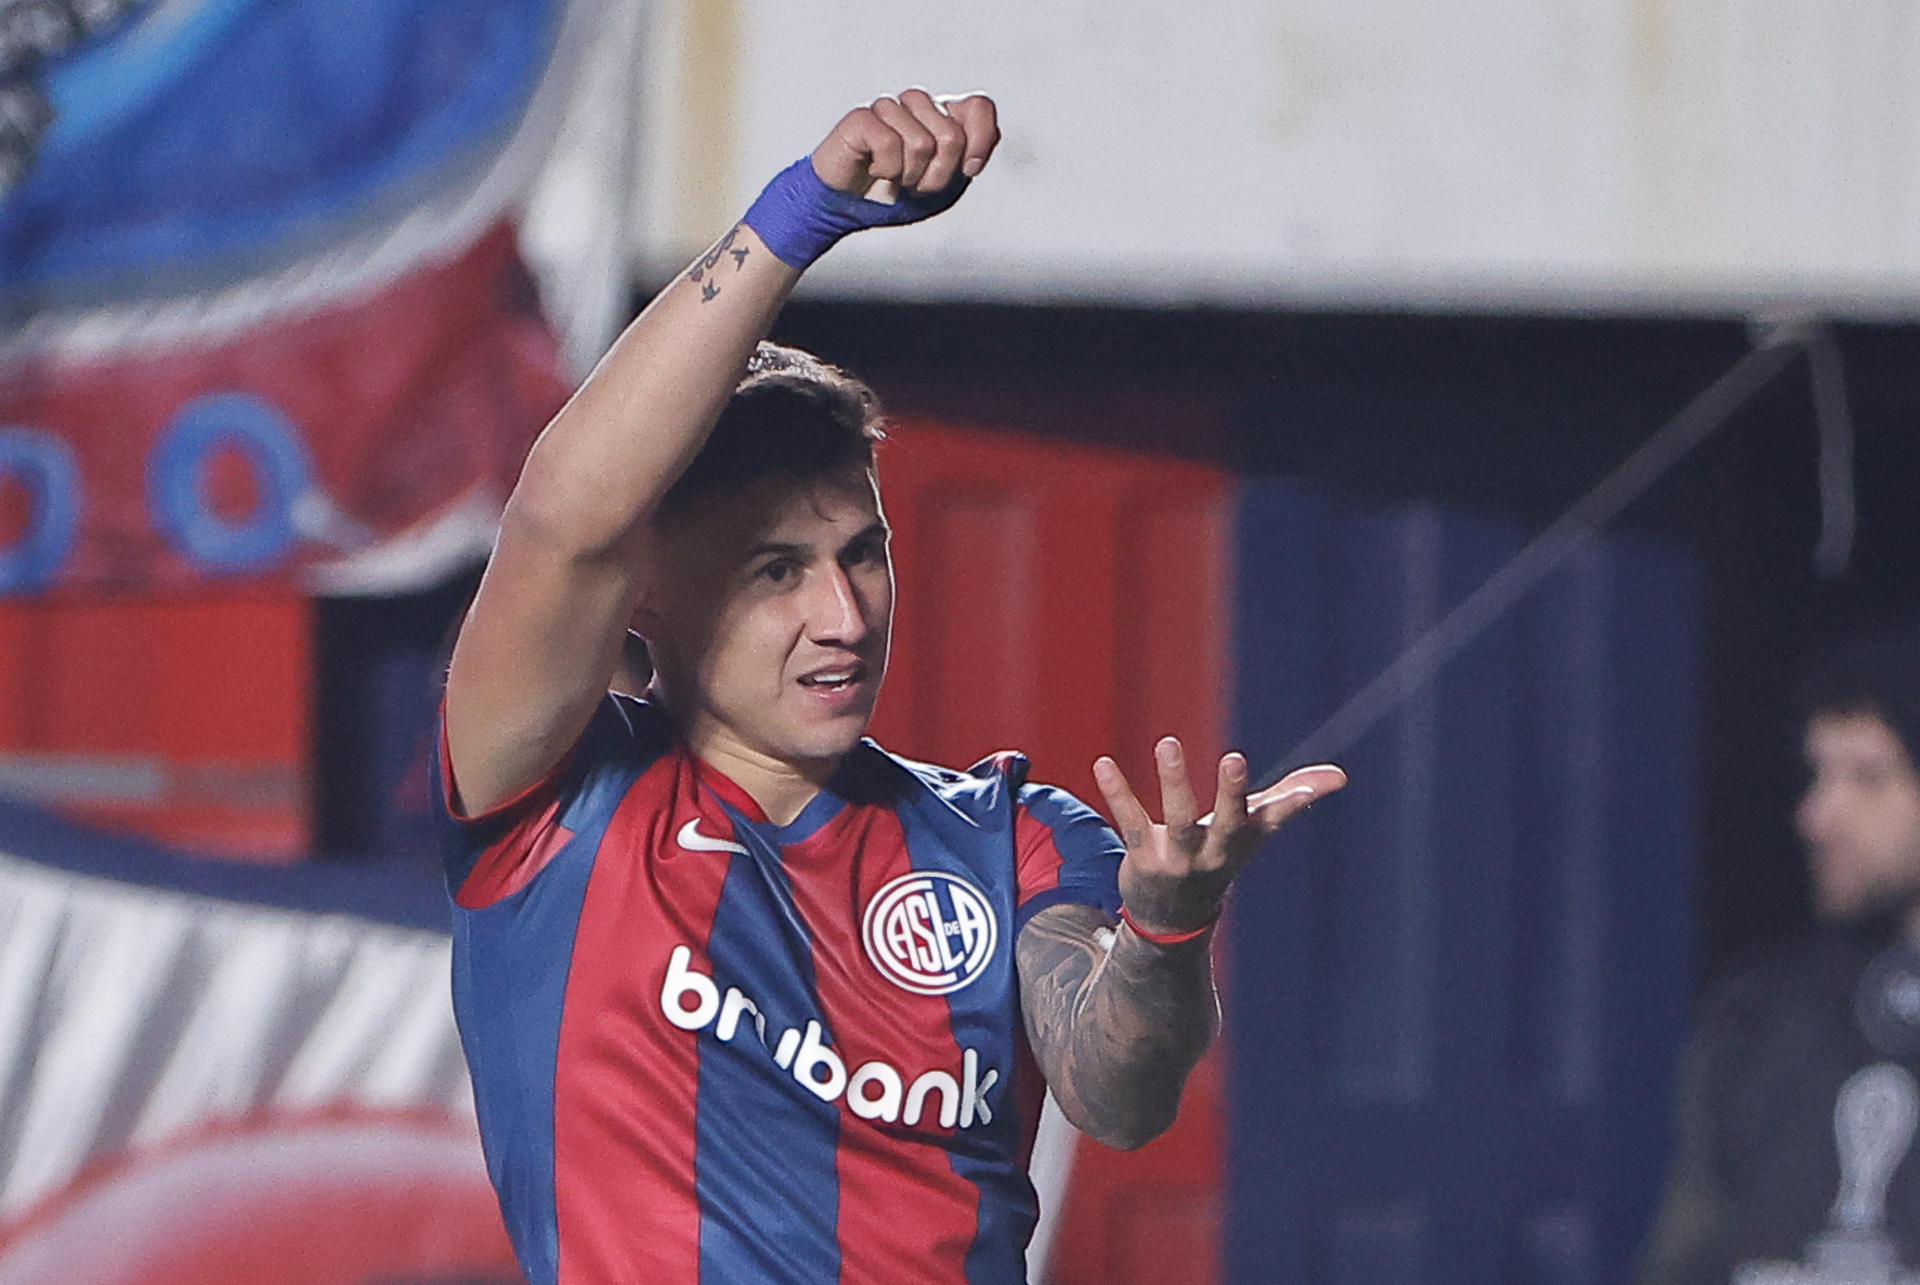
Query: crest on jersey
x,y
930,932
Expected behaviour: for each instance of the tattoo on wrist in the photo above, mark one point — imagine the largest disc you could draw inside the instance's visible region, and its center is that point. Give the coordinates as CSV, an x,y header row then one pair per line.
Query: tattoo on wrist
x,y
702,274
1124,1021
1174,906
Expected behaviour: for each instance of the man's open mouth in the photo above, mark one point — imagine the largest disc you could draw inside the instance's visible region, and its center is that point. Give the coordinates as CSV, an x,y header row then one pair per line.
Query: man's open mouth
x,y
837,679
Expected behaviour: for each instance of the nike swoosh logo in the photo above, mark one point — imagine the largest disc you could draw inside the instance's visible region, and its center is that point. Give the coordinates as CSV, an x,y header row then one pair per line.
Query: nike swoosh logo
x,y
691,838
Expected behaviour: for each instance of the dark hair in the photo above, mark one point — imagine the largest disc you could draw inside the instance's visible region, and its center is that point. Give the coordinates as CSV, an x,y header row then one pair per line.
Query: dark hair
x,y
792,416
1871,673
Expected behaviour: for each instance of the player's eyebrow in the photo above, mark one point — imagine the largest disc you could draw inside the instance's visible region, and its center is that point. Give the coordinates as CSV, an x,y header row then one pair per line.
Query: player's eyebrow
x,y
785,549
776,548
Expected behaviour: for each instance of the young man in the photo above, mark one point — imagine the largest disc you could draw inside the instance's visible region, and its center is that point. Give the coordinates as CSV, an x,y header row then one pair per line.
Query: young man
x,y
1797,1095
746,998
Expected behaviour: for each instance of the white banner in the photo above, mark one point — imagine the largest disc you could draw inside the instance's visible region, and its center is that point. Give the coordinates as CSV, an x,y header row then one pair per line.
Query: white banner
x,y
196,1089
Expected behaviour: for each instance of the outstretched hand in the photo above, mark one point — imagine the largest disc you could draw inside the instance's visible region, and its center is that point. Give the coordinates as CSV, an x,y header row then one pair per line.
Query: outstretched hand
x,y
915,142
1177,870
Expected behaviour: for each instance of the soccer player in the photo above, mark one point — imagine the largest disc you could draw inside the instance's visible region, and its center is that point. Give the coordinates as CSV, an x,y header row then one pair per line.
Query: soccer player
x,y
745,997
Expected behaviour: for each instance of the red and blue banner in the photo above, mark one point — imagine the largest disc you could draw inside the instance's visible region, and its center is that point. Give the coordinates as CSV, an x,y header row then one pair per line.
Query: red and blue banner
x,y
263,313
265,331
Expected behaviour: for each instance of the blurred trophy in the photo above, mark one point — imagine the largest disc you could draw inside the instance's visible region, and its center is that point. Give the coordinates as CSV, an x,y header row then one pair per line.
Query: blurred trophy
x,y
1873,1124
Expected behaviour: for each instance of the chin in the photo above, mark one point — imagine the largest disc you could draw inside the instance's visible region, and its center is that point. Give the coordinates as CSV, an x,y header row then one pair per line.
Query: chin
x,y
831,740
837,745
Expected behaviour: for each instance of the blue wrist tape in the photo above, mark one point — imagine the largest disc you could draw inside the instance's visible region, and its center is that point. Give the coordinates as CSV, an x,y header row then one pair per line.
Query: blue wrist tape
x,y
799,217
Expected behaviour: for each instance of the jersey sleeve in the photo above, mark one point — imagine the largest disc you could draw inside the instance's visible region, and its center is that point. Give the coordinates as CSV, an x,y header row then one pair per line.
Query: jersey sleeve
x,y
1064,852
492,855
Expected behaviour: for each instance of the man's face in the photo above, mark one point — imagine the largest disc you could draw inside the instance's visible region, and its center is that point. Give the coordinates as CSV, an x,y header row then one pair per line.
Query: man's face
x,y
769,620
1860,817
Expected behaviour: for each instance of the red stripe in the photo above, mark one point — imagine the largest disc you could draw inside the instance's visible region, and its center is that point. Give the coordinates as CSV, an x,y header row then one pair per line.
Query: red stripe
x,y
510,862
885,1170
1038,858
627,1081
712,778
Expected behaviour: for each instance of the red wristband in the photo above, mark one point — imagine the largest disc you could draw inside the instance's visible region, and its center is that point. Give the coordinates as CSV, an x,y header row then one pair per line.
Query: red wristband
x,y
1163,939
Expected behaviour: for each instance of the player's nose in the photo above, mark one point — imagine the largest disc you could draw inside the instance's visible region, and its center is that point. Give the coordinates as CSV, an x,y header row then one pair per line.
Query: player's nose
x,y
837,614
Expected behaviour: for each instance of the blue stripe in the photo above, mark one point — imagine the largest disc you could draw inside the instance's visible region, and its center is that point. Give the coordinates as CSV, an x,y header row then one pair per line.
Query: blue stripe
x,y
765,1147
978,845
510,967
515,956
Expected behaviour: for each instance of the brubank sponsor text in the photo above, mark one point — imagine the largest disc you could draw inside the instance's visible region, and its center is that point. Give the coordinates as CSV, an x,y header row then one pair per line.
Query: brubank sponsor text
x,y
875,1090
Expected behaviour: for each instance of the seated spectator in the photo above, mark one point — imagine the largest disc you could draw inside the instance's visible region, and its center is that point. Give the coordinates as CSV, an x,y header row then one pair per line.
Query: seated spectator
x,y
1797,1100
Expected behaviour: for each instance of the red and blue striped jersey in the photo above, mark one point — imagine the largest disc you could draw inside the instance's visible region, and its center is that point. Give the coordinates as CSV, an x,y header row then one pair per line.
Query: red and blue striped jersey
x,y
709,1048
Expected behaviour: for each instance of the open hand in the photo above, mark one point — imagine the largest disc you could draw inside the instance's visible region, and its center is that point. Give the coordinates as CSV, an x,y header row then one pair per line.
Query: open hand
x,y
1177,870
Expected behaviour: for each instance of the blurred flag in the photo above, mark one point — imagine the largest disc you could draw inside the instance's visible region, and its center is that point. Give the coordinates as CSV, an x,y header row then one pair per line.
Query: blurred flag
x,y
214,1073
262,314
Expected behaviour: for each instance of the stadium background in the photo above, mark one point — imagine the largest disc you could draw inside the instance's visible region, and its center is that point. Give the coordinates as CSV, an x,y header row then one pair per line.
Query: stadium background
x,y
1275,332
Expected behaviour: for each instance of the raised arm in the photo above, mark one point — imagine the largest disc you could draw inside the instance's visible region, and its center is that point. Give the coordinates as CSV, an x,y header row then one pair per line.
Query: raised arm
x,y
1118,1012
534,654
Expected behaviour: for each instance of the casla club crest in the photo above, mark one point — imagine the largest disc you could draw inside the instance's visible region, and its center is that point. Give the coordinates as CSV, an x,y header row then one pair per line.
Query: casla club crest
x,y
930,932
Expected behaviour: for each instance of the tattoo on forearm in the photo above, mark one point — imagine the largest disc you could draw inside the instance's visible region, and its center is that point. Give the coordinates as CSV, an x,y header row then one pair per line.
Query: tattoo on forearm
x,y
702,273
1117,1030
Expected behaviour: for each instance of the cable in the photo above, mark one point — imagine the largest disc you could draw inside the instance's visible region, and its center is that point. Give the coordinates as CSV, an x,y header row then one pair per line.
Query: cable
x,y
1834,423
1702,417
